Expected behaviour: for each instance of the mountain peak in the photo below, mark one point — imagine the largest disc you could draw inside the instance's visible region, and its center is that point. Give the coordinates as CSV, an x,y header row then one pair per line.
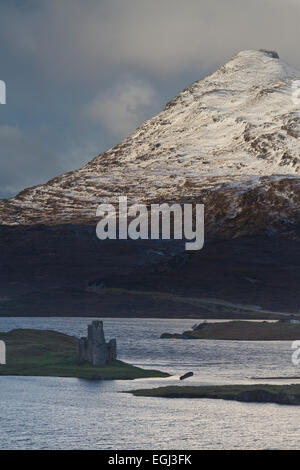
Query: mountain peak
x,y
254,68
272,54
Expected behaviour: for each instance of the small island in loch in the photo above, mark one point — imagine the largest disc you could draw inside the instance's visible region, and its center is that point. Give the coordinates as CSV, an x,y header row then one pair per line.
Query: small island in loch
x,y
258,393
287,329
53,354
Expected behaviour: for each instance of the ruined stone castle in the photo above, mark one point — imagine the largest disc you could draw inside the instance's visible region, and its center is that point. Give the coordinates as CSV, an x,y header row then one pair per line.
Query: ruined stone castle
x,y
94,349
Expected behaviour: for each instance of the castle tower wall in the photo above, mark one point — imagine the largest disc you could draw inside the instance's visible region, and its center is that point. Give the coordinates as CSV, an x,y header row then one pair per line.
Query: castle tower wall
x,y
112,350
94,349
99,345
83,350
90,343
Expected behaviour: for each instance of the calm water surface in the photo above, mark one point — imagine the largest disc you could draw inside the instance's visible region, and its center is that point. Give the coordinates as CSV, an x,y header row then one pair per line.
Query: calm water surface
x,y
63,413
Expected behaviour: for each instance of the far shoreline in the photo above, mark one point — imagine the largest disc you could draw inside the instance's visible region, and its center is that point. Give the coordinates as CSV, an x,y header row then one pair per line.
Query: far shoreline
x,y
241,330
208,318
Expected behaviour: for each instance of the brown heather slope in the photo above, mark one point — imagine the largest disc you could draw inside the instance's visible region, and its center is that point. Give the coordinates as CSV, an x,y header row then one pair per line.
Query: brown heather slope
x,y
59,271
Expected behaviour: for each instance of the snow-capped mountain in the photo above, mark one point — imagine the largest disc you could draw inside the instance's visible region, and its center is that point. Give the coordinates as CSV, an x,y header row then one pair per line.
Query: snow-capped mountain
x,y
230,140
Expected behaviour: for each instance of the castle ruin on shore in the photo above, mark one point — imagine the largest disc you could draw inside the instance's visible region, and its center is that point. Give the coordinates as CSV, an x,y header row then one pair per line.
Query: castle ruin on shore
x,y
93,348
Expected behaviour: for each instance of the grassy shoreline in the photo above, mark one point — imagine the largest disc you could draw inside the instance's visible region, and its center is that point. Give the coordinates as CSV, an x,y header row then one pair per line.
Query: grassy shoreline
x,y
47,353
258,393
241,331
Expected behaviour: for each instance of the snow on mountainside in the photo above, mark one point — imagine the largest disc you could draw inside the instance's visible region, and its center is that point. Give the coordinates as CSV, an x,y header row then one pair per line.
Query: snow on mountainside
x,y
230,140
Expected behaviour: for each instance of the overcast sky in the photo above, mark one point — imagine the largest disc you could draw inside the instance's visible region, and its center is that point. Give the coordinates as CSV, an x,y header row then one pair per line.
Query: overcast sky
x,y
82,74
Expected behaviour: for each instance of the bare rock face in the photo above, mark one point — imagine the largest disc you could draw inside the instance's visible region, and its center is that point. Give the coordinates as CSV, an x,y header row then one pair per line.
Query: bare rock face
x,y
272,54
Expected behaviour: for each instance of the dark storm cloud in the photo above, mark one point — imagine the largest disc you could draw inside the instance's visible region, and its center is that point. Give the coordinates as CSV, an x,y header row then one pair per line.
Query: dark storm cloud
x,y
102,67
21,159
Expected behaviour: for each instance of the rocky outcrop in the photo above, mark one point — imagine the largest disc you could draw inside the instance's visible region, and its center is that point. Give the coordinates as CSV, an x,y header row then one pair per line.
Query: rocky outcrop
x,y
272,54
94,349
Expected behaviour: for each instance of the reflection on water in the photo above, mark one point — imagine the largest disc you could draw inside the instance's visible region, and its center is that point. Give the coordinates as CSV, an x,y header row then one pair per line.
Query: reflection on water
x,y
57,413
